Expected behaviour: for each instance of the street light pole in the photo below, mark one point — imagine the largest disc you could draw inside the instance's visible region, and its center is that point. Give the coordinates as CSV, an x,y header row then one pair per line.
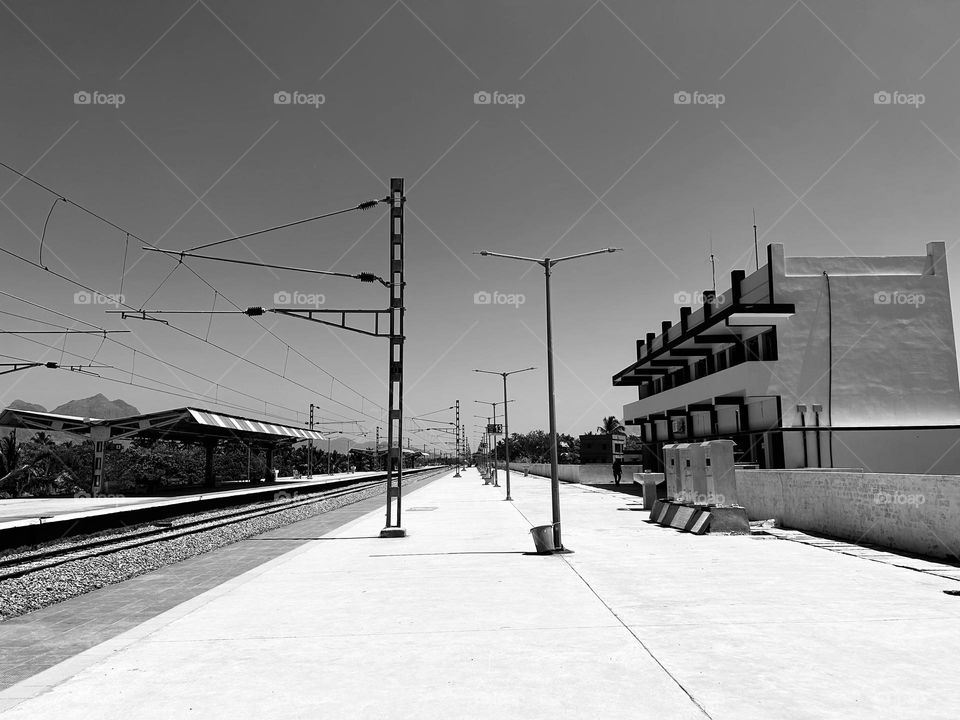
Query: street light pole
x,y
506,424
547,264
493,454
552,403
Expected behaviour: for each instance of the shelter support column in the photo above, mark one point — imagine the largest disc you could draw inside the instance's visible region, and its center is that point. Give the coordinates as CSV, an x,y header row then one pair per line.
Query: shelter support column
x,y
268,473
100,435
210,480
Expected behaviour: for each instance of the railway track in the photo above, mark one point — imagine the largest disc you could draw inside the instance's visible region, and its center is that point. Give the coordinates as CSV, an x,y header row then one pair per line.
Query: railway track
x,y
82,547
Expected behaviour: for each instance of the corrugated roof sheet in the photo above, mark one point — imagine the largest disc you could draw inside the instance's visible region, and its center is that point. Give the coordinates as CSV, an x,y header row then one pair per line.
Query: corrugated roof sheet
x,y
230,422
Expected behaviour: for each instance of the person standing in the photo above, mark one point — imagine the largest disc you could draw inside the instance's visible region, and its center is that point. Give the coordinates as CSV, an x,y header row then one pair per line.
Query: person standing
x,y
617,471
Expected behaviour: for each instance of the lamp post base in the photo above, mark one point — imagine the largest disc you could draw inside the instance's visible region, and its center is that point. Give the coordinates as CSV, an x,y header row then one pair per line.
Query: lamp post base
x,y
393,532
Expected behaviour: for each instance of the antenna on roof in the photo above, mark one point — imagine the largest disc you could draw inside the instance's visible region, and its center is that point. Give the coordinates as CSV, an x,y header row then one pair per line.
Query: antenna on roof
x,y
713,266
756,249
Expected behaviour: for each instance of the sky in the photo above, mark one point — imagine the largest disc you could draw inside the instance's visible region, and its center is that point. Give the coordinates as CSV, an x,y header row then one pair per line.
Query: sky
x,y
586,142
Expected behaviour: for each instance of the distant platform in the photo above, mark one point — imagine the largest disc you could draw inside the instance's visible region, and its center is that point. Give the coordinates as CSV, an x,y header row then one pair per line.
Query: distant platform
x,y
30,520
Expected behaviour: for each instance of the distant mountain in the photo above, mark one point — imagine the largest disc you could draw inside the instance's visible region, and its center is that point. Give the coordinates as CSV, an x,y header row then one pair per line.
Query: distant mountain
x,y
24,405
97,406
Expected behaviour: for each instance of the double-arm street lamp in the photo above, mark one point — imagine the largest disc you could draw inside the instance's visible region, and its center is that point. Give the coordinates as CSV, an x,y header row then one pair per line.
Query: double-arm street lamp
x,y
506,424
493,435
547,264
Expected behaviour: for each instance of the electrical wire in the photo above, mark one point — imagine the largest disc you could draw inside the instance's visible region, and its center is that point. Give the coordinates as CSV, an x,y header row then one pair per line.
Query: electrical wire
x,y
362,206
174,254
43,234
128,347
176,392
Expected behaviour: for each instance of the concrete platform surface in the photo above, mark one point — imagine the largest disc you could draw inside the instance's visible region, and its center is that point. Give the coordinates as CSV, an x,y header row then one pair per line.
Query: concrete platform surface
x,y
460,620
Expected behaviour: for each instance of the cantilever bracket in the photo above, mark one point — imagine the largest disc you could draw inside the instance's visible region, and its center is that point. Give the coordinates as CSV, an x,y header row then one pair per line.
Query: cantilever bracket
x,y
139,315
308,314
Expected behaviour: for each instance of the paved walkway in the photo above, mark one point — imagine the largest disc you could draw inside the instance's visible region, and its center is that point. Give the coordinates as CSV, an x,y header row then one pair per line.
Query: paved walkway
x,y
32,643
458,620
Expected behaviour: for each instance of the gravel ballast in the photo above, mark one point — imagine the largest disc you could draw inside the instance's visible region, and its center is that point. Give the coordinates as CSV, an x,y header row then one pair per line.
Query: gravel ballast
x,y
44,587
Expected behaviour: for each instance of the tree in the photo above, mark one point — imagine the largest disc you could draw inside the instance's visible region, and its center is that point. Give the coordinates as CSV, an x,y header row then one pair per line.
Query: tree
x,y
9,454
610,425
41,438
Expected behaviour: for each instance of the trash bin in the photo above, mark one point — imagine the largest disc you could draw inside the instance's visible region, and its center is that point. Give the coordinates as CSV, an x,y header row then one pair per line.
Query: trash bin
x,y
543,539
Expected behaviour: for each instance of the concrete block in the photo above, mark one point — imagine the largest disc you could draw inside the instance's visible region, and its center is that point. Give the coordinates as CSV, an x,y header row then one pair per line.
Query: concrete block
x,y
701,524
682,517
666,517
730,520
657,510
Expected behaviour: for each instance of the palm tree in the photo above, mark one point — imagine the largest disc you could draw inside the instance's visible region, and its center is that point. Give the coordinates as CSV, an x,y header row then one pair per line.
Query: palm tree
x,y
9,453
41,438
610,426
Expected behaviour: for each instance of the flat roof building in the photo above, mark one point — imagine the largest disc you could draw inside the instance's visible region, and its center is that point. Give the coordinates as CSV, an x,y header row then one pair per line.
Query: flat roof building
x,y
602,448
809,362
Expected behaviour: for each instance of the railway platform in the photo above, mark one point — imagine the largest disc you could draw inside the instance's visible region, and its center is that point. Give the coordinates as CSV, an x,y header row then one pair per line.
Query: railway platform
x,y
461,619
33,520
27,511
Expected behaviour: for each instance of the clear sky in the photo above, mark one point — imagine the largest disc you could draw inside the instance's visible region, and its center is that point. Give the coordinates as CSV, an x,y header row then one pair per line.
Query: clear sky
x,y
598,154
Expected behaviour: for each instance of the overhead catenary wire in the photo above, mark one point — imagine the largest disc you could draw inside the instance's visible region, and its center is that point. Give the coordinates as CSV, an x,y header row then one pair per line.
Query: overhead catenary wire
x,y
176,392
62,332
128,347
43,234
366,277
362,206
359,207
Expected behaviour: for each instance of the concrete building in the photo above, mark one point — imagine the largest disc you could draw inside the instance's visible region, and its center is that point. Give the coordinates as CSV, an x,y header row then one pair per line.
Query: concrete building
x,y
810,362
604,448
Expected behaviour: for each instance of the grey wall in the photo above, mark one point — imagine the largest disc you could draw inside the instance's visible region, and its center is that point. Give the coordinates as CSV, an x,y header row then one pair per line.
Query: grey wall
x,y
915,513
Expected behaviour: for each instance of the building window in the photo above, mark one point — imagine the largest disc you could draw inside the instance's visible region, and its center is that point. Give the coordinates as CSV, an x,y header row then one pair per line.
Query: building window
x,y
700,368
720,360
752,348
768,344
737,354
